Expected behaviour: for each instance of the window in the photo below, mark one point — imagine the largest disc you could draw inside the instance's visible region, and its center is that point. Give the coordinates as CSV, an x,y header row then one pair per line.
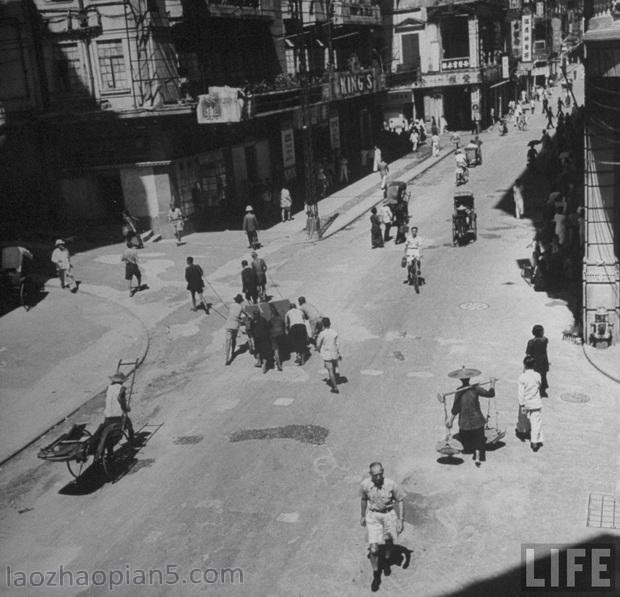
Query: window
x,y
112,69
411,50
67,69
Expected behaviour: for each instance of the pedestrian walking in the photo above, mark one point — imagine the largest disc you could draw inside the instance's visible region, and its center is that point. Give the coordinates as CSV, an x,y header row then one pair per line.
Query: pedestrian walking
x,y
545,104
443,124
434,127
414,138
478,142
312,315
286,202
176,219
517,195
236,316
249,283
195,283
61,258
297,334
250,225
260,268
537,349
130,259
377,158
384,170
130,229
344,170
559,220
329,349
530,403
435,145
386,216
471,420
376,240
549,118
379,498
277,334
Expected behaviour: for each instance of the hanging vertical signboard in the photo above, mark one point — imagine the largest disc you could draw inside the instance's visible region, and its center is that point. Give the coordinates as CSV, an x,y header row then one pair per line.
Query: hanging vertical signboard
x,y
288,148
526,38
505,67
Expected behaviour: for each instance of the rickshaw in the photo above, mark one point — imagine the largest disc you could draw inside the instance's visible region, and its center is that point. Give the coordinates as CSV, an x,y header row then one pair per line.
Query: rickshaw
x,y
15,285
397,197
80,449
464,224
472,154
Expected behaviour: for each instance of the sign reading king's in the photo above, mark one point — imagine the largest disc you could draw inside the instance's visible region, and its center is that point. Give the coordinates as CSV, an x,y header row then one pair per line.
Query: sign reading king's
x,y
349,84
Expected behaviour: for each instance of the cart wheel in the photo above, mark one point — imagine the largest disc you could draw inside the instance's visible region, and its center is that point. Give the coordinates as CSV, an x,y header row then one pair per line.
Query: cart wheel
x,y
77,467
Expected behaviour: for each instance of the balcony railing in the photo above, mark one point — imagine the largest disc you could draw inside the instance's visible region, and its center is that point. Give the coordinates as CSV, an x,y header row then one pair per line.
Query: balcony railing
x,y
349,12
448,64
403,78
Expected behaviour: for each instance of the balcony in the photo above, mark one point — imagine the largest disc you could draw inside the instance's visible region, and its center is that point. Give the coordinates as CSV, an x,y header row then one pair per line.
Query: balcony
x,y
239,9
314,11
348,12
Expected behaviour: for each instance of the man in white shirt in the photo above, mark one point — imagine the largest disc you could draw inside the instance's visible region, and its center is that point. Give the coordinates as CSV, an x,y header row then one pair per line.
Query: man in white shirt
x,y
236,315
530,401
413,249
329,349
386,217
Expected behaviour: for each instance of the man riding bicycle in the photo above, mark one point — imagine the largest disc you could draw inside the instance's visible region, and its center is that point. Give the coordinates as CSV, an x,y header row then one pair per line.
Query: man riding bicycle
x,y
413,250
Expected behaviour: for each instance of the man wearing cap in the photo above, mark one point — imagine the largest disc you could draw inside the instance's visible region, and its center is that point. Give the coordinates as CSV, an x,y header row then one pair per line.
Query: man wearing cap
x,y
379,496
250,225
62,260
260,268
115,412
467,407
236,316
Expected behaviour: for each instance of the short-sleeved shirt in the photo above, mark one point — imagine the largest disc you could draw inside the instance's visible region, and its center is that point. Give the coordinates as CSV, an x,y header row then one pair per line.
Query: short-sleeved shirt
x,y
235,314
327,344
311,313
193,276
381,498
294,317
130,255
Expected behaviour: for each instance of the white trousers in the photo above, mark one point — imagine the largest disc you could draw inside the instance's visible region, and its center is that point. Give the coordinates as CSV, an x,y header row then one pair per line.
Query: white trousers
x,y
535,418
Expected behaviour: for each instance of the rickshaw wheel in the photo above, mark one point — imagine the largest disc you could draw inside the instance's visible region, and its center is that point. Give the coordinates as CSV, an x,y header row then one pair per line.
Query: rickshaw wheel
x,y
77,467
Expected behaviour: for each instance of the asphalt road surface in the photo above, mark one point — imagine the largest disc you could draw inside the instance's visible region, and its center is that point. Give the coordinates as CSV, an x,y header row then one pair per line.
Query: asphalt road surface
x,y
260,473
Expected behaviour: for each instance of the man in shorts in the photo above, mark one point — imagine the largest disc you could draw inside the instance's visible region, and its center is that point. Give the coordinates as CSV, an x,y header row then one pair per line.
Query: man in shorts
x,y
130,258
379,496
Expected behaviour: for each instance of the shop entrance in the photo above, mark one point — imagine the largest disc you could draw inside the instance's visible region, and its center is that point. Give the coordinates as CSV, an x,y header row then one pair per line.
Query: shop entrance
x,y
457,107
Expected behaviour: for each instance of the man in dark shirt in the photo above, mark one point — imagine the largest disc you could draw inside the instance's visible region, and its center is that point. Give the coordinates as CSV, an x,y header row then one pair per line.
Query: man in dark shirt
x,y
471,420
195,283
249,282
277,333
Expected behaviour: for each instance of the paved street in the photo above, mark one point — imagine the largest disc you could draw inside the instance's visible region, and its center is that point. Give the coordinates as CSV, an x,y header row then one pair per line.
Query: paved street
x,y
261,472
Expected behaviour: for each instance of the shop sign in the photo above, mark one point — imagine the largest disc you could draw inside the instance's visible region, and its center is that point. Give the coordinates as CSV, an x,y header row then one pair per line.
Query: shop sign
x,y
456,78
540,9
221,104
288,147
348,84
505,67
526,38
334,132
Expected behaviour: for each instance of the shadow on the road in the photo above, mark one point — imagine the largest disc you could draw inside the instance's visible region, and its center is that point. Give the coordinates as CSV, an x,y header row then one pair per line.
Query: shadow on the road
x,y
548,574
450,460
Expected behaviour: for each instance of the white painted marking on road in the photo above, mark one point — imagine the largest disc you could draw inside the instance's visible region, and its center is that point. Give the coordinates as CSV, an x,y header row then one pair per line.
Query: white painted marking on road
x,y
288,517
374,372
284,402
421,374
183,330
294,540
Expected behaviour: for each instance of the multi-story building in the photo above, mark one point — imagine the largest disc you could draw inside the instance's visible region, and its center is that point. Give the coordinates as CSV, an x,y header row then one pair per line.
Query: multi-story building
x,y
601,272
447,60
103,110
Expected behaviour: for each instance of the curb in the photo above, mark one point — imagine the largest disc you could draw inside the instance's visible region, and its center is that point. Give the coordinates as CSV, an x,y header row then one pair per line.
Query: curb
x,y
589,359
423,170
141,360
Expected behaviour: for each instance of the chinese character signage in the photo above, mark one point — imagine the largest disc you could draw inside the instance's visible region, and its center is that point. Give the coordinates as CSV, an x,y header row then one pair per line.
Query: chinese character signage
x,y
288,148
526,38
540,9
221,104
505,68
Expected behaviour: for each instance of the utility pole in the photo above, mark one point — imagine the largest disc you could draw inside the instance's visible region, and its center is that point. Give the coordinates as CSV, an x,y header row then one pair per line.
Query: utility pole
x,y
313,223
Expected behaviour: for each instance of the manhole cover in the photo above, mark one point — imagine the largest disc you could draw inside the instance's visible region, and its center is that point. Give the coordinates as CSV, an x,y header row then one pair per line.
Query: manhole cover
x,y
308,434
576,397
473,306
187,440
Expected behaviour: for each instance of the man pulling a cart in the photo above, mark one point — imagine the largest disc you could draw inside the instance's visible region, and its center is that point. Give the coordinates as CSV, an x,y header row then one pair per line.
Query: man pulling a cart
x,y
116,412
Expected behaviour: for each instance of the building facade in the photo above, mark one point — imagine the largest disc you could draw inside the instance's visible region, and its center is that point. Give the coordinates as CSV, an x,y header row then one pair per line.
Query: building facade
x,y
104,100
601,272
